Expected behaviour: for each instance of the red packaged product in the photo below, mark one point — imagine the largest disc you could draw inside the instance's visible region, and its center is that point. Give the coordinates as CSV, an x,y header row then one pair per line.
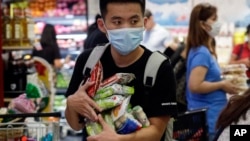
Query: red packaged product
x,y
96,76
120,78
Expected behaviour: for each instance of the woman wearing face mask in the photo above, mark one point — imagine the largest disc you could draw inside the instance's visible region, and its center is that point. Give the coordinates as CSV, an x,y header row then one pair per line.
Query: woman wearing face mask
x,y
205,88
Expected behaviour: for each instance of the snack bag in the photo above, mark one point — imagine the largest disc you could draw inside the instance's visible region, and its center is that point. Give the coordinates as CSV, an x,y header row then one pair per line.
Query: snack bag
x,y
127,124
119,78
120,110
108,119
22,104
96,76
113,89
110,102
35,88
93,128
140,116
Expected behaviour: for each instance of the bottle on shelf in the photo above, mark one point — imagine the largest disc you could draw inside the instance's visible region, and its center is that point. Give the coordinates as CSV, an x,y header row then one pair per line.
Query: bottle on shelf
x,y
17,27
24,27
7,27
30,26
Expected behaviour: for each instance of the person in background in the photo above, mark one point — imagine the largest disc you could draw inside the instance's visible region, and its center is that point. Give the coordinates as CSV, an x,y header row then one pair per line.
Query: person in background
x,y
94,35
205,88
241,53
237,112
155,37
123,22
48,48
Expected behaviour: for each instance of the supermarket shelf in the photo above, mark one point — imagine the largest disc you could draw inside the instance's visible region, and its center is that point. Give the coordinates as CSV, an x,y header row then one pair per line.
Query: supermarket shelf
x,y
72,36
7,99
16,48
11,1
79,36
66,20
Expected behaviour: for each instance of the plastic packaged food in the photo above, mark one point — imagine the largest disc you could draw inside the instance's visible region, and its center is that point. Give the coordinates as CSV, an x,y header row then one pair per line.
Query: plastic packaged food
x,y
110,102
127,124
120,110
22,104
108,119
93,128
119,78
140,115
96,76
114,89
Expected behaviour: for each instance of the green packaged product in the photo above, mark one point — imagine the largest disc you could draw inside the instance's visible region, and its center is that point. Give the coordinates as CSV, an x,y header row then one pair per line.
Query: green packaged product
x,y
108,119
93,128
114,89
103,93
110,102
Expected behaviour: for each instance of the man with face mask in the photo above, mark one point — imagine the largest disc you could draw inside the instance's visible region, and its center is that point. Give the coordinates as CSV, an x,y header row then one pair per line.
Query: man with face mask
x,y
123,22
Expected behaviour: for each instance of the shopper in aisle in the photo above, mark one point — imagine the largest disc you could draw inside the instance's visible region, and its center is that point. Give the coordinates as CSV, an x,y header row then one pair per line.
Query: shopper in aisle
x,y
155,37
205,88
48,48
95,35
237,112
123,18
241,53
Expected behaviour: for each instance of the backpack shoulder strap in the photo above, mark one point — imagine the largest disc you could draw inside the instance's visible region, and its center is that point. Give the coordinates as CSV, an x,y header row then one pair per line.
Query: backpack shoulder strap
x,y
153,64
93,58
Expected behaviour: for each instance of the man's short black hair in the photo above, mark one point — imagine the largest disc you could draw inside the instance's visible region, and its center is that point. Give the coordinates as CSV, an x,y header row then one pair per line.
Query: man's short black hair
x,y
103,5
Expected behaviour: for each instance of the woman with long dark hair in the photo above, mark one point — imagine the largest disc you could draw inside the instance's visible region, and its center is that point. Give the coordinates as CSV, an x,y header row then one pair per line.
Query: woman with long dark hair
x,y
48,48
205,88
237,112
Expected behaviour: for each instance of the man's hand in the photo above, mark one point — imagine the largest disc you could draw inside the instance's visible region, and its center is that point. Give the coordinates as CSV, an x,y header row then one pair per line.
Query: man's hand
x,y
81,103
108,134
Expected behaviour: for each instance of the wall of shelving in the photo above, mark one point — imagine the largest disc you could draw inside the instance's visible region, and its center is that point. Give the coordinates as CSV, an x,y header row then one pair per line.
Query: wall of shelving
x,y
70,25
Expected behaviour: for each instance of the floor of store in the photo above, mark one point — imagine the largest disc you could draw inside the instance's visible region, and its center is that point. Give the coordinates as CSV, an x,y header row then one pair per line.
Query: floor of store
x,y
72,138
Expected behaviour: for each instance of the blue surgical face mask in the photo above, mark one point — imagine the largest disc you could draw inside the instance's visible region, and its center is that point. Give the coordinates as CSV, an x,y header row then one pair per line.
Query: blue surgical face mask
x,y
125,40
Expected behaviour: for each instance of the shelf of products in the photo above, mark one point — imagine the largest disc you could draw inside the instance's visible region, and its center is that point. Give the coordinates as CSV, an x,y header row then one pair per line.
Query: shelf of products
x,y
18,26
16,47
68,17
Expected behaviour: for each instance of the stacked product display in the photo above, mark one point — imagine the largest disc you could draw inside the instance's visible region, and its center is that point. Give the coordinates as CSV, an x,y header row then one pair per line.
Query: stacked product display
x,y
237,74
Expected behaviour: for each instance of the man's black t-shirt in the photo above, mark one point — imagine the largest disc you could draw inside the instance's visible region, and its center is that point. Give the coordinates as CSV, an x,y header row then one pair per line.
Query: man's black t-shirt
x,y
161,99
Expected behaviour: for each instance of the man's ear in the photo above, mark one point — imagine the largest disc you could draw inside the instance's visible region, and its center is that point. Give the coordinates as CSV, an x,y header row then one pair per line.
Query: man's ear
x,y
101,25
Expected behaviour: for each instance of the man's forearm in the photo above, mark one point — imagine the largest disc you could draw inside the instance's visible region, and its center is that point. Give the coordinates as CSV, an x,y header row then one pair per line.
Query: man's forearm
x,y
73,119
